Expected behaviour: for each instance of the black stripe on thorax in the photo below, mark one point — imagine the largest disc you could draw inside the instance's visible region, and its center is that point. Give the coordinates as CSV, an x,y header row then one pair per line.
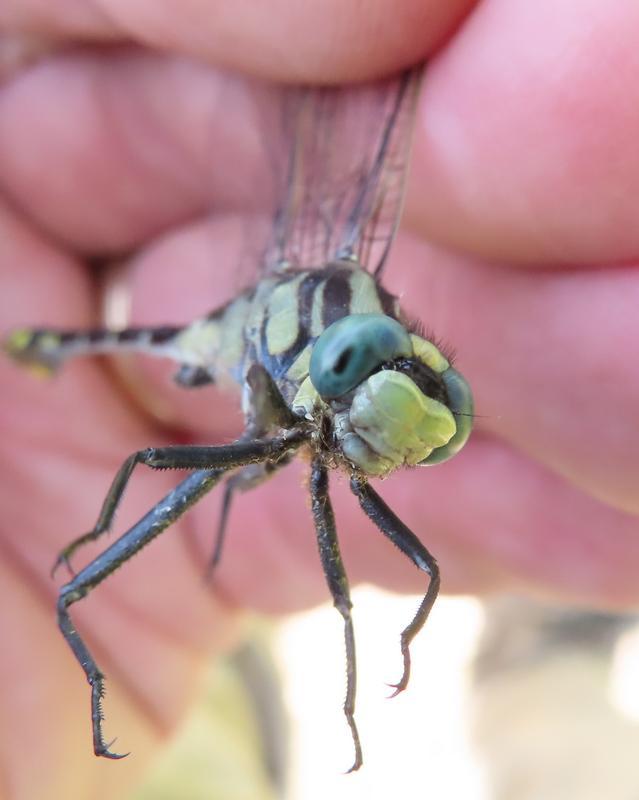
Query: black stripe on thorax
x,y
336,297
278,364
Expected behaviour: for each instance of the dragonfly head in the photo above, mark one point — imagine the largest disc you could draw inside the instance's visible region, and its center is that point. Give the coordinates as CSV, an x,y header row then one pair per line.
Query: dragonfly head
x,y
397,400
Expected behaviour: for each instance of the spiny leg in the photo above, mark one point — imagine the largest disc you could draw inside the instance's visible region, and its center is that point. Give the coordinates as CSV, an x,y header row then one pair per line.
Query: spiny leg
x,y
403,538
178,457
338,585
167,511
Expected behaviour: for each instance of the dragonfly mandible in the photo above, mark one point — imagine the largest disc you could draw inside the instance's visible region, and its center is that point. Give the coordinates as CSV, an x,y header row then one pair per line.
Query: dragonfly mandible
x,y
326,360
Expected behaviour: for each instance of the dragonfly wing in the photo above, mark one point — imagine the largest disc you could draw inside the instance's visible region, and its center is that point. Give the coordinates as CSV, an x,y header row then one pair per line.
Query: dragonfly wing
x,y
345,153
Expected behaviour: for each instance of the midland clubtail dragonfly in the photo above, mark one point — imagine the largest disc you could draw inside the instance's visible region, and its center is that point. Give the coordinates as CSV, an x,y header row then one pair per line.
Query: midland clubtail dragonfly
x,y
327,361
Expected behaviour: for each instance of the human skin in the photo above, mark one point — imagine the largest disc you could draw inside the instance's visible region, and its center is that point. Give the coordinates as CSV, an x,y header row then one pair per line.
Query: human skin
x,y
519,248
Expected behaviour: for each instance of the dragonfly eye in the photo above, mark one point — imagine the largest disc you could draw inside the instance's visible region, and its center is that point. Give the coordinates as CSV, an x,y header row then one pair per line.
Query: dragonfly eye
x,y
349,350
460,402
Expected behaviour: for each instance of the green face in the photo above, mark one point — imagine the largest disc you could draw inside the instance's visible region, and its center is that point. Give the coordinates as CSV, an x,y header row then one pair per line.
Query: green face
x,y
408,406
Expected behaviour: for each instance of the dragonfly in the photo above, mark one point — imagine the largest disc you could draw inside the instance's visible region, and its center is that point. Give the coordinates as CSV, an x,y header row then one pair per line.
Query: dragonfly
x,y
328,365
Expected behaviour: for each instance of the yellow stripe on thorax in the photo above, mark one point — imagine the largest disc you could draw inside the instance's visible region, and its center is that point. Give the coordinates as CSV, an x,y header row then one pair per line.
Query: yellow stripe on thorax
x,y
282,316
364,297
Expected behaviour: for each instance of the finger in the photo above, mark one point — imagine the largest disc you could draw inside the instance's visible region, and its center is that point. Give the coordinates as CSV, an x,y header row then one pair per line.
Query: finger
x,y
317,41
526,140
130,144
104,152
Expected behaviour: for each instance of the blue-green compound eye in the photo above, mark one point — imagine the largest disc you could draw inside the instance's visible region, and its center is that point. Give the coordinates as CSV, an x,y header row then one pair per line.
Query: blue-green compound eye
x,y
351,348
460,402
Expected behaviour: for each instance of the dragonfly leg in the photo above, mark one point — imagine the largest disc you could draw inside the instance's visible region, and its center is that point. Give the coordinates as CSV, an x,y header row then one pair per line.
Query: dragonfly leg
x,y
264,408
150,526
248,478
179,457
403,538
154,522
338,584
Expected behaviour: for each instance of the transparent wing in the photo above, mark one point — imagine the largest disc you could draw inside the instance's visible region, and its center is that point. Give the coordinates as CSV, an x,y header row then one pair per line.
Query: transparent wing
x,y
344,155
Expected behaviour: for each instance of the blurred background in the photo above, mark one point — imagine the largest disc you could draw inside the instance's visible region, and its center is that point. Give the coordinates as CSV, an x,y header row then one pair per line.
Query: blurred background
x,y
510,699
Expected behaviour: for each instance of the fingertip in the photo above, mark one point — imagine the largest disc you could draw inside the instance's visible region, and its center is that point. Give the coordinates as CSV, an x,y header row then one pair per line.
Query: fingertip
x,y
324,41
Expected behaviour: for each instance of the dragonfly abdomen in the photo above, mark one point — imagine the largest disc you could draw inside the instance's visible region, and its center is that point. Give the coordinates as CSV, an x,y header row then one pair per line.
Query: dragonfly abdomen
x,y
44,349
202,349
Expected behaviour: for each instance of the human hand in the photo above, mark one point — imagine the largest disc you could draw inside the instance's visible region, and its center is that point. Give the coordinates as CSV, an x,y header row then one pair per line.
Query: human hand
x,y
103,152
